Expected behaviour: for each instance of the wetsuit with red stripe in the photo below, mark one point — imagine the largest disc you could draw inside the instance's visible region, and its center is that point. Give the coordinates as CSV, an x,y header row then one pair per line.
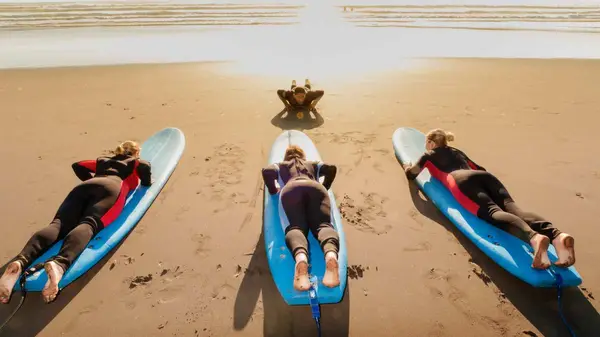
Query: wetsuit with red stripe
x,y
117,176
482,194
89,207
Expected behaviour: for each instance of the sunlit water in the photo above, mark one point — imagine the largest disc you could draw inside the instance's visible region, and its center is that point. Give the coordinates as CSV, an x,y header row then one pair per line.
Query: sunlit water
x,y
294,38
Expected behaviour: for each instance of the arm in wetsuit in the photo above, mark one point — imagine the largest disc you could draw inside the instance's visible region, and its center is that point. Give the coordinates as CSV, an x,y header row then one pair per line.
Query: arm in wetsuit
x,y
84,169
144,172
283,96
270,175
328,171
413,170
314,96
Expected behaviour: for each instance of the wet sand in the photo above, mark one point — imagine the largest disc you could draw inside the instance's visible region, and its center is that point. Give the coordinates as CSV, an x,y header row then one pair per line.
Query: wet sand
x,y
195,265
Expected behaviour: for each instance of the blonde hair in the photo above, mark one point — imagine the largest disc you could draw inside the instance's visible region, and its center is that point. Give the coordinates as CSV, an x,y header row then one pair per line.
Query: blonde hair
x,y
129,148
440,137
294,151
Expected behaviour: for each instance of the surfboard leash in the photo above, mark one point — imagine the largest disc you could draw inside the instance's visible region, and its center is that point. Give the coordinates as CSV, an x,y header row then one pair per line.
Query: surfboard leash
x,y
559,287
314,303
22,281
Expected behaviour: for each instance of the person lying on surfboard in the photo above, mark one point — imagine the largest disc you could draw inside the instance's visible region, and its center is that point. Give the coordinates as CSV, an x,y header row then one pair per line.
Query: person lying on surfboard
x,y
482,194
300,99
88,208
307,206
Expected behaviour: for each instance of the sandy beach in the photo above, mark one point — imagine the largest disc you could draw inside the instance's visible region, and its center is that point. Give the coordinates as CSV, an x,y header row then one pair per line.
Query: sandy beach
x,y
533,123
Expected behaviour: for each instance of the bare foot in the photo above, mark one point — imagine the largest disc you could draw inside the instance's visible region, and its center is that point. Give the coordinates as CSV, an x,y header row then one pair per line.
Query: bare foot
x,y
7,282
55,274
301,281
565,248
540,245
332,274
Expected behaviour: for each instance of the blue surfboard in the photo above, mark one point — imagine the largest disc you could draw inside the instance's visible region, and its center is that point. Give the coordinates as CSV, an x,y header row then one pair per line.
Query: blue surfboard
x,y
281,261
163,150
508,251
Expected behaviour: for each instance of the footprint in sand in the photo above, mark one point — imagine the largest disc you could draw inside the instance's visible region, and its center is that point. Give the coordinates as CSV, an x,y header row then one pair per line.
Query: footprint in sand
x,y
377,167
421,246
420,219
201,241
123,260
171,273
353,137
441,284
437,330
225,168
383,152
181,211
223,292
368,217
232,199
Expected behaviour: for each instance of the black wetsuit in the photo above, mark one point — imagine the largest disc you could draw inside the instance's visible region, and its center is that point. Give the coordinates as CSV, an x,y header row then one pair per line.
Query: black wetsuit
x,y
89,207
287,97
306,203
482,194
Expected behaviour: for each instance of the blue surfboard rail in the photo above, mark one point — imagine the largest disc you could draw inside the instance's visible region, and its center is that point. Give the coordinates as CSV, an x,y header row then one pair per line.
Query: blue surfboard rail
x,y
163,150
508,251
281,261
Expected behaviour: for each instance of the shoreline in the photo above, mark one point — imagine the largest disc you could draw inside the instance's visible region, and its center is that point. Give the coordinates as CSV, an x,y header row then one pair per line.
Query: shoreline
x,y
145,45
226,63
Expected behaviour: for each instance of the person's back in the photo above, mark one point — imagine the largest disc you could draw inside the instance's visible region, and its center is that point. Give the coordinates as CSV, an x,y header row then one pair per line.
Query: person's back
x,y
297,168
449,159
128,168
120,165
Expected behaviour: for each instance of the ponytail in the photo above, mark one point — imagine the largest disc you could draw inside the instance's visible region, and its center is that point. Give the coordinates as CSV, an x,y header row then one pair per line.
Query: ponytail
x,y
128,148
440,137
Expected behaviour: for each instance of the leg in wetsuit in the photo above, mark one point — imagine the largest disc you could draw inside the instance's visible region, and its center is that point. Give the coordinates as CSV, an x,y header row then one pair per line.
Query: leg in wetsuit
x,y
499,208
81,216
307,206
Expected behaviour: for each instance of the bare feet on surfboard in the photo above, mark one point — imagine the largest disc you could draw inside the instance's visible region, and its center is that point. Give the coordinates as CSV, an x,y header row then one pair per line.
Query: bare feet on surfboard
x,y
9,278
301,281
55,274
332,273
540,245
565,249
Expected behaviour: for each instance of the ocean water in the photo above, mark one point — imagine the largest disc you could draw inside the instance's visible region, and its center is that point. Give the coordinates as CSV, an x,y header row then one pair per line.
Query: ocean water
x,y
337,36
577,16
